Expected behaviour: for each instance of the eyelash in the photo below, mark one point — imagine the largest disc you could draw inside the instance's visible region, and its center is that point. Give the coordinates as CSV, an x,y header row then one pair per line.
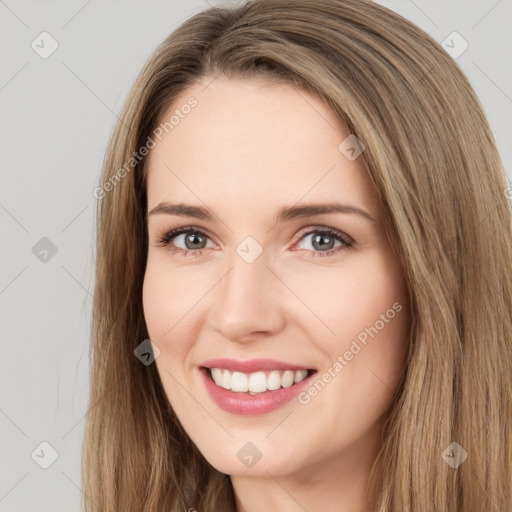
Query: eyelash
x,y
164,241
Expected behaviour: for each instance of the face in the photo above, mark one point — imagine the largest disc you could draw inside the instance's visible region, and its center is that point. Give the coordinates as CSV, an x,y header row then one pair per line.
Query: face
x,y
309,303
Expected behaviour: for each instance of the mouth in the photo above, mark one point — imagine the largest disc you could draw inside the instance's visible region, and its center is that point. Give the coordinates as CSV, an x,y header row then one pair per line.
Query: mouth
x,y
256,383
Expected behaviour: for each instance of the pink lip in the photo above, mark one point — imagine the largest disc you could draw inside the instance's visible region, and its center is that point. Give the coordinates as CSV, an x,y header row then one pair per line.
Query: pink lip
x,y
251,366
246,404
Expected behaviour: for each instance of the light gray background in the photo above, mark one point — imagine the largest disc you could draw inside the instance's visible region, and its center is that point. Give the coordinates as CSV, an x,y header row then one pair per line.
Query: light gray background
x,y
56,118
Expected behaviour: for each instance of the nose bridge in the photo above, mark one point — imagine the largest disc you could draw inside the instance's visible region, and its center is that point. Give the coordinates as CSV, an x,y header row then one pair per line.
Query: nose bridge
x,y
246,301
246,283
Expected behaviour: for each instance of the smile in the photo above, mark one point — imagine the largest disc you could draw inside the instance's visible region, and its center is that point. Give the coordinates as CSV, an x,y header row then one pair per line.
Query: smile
x,y
253,387
258,382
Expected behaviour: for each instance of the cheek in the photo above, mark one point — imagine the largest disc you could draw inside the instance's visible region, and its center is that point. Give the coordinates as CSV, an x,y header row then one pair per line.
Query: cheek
x,y
167,296
163,309
162,314
155,304
371,291
347,299
370,316
170,298
375,317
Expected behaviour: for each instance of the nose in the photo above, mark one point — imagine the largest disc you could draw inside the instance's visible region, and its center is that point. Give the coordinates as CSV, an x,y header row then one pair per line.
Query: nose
x,y
248,301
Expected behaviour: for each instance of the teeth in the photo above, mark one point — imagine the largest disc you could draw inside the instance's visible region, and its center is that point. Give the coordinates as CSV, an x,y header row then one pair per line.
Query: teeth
x,y
239,382
258,382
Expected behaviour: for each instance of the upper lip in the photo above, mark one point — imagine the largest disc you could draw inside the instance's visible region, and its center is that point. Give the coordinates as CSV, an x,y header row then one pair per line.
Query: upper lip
x,y
252,365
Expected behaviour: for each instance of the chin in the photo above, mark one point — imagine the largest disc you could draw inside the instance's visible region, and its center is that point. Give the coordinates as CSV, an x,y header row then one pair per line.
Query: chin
x,y
259,465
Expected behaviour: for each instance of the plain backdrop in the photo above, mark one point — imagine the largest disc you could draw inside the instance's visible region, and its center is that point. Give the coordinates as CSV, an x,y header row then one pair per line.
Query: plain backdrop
x,y
57,113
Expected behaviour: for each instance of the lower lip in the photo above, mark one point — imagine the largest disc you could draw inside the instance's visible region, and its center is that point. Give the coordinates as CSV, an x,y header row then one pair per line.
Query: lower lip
x,y
244,404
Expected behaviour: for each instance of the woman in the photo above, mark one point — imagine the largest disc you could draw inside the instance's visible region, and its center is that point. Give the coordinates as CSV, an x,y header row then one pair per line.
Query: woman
x,y
234,369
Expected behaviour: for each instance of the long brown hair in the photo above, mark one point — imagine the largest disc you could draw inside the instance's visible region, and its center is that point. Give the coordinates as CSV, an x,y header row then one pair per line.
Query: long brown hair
x,y
433,161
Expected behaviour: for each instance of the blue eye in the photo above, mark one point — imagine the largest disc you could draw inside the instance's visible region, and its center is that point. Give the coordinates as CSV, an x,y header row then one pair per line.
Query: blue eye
x,y
196,236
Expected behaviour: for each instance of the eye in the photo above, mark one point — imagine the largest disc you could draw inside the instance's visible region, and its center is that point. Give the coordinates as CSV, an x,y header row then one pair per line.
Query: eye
x,y
324,239
194,239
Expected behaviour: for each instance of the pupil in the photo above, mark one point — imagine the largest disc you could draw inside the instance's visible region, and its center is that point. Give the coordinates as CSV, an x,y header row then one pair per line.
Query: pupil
x,y
321,245
191,238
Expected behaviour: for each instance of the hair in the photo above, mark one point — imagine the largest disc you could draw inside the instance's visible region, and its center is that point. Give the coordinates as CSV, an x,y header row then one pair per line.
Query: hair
x,y
433,161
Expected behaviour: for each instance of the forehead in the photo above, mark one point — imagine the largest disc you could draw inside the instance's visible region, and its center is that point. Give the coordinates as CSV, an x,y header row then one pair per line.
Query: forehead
x,y
254,144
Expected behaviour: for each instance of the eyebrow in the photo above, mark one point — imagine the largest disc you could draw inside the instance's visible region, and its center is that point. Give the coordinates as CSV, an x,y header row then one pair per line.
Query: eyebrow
x,y
285,213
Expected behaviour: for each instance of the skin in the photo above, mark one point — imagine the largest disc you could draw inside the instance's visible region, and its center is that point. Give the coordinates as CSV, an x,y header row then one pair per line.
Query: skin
x,y
247,149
